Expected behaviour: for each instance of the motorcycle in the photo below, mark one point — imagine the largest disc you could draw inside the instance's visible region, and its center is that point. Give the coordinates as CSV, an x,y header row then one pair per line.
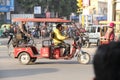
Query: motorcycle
x,y
85,40
29,54
5,35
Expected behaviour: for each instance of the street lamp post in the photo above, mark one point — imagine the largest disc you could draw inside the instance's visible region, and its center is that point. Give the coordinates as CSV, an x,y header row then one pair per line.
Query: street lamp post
x,y
111,10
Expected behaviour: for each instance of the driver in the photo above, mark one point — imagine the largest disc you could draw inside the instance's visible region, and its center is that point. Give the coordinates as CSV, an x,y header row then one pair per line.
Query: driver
x,y
58,39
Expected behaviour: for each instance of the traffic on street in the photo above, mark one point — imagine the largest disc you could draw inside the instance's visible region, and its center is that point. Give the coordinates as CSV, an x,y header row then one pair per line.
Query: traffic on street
x,y
59,39
44,69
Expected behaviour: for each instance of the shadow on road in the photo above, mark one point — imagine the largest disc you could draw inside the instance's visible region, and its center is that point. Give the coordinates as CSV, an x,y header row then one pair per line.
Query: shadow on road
x,y
57,62
60,62
25,72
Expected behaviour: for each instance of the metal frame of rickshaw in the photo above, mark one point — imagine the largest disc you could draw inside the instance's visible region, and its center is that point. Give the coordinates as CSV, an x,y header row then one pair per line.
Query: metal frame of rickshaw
x,y
31,52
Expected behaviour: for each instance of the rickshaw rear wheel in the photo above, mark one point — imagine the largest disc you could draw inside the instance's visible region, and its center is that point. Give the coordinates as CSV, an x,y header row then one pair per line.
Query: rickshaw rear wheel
x,y
24,58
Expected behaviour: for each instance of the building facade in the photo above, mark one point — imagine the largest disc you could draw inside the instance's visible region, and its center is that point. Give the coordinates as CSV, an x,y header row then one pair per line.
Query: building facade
x,y
105,10
117,15
98,8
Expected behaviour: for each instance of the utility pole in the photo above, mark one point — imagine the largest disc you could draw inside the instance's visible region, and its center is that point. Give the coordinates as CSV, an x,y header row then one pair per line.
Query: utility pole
x,y
111,10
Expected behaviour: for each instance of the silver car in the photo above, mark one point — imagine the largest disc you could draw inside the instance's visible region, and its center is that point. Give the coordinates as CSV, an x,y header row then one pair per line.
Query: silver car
x,y
94,34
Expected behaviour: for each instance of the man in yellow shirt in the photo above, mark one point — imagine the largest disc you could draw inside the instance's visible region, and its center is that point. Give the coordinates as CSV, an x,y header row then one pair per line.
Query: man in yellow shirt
x,y
59,40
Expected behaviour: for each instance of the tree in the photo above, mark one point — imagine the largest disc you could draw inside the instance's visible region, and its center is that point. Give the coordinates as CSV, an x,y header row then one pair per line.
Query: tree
x,y
60,7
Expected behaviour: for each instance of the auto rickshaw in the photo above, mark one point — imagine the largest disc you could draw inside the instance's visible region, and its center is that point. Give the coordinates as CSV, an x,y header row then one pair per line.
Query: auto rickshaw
x,y
103,31
27,54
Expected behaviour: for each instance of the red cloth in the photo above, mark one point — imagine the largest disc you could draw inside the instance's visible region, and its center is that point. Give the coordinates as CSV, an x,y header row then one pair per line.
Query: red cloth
x,y
110,36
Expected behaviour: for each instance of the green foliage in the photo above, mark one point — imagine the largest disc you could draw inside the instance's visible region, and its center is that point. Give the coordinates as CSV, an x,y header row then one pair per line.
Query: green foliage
x,y
62,7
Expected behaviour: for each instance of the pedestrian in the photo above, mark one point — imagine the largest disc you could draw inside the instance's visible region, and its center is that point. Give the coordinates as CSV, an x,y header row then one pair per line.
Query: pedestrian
x,y
106,62
110,35
37,32
5,31
11,33
44,30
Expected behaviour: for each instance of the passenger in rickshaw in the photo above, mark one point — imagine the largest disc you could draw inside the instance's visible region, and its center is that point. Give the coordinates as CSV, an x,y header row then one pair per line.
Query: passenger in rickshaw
x,y
23,30
110,35
58,40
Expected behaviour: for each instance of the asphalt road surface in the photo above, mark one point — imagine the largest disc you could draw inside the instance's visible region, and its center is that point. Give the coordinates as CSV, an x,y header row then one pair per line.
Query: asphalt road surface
x,y
44,69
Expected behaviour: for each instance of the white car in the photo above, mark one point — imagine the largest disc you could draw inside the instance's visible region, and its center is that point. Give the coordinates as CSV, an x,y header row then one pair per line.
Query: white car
x,y
94,33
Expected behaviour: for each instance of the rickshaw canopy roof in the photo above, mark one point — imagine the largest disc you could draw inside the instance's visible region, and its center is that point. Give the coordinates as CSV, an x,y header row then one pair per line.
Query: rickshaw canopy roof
x,y
40,20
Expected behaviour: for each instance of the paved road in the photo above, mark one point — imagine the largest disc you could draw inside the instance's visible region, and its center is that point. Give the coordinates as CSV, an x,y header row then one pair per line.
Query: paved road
x,y
44,69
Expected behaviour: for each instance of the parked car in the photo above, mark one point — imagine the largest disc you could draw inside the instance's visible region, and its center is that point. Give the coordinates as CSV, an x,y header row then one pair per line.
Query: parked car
x,y
94,33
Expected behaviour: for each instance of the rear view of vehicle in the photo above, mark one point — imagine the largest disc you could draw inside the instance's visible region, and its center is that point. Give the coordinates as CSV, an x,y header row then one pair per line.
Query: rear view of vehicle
x,y
94,34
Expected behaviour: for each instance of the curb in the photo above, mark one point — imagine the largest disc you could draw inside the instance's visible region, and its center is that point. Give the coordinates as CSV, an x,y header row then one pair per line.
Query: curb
x,y
3,46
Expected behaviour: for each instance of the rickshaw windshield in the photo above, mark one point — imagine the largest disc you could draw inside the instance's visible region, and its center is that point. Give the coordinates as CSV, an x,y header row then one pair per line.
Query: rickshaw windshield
x,y
91,29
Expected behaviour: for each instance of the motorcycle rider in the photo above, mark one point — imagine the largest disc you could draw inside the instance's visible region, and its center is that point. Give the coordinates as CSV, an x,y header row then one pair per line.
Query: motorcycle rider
x,y
58,40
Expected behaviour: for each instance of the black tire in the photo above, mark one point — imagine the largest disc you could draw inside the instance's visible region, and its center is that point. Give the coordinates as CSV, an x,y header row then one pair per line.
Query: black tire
x,y
83,58
87,44
21,42
24,58
15,42
30,41
98,42
33,59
